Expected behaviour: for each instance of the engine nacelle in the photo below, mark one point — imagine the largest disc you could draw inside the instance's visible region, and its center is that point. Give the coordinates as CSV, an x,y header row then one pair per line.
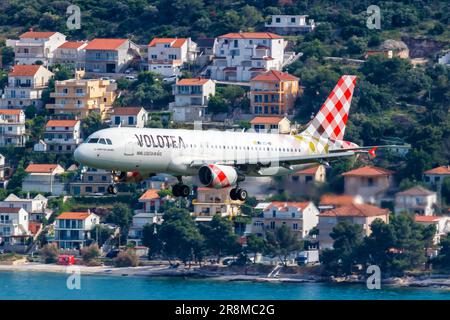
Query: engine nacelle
x,y
217,176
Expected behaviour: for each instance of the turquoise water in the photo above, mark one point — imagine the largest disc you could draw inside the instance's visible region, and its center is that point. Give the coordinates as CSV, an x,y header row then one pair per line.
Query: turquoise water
x,y
27,285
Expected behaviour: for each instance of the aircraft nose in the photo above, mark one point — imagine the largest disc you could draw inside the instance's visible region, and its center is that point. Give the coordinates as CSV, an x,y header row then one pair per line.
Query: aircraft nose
x,y
80,153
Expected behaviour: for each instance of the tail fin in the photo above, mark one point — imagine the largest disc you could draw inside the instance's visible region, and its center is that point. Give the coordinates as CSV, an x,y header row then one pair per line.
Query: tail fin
x,y
332,117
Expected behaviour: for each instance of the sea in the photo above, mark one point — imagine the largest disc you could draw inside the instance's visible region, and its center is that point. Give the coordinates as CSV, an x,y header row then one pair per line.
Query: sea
x,y
15,285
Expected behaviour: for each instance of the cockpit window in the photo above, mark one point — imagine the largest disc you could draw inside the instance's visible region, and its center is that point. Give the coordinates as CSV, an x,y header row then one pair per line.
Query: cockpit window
x,y
102,141
92,140
108,141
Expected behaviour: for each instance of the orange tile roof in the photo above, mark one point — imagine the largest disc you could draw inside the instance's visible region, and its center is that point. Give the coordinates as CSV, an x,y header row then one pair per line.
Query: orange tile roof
x,y
73,215
311,170
355,210
9,210
266,120
336,200
251,35
175,42
150,194
368,171
125,111
192,82
41,168
72,44
61,123
10,111
274,76
418,218
283,205
24,71
34,227
442,170
36,34
105,44
416,191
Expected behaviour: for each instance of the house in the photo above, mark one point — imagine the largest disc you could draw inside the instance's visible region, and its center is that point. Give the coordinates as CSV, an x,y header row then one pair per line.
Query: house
x,y
360,214
300,217
441,223
290,24
241,56
12,128
91,181
416,200
191,99
25,86
435,177
166,56
279,124
371,183
210,202
206,46
35,207
444,58
13,226
332,201
152,202
110,55
273,92
73,230
71,53
304,182
390,49
62,136
79,97
44,178
136,117
35,46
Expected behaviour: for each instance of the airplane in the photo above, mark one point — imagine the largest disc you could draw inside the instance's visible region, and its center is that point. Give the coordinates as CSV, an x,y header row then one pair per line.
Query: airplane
x,y
223,159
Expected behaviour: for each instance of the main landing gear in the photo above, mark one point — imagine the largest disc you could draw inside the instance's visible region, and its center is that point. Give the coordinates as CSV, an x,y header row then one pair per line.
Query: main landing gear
x,y
116,177
180,189
238,194
112,189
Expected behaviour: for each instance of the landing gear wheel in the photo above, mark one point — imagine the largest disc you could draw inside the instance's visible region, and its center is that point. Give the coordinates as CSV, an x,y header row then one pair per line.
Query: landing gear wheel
x,y
233,194
112,189
241,194
176,190
184,190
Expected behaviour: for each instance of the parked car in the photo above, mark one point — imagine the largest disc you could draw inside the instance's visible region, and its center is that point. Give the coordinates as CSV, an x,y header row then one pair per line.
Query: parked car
x,y
131,78
108,78
170,79
308,257
112,254
129,70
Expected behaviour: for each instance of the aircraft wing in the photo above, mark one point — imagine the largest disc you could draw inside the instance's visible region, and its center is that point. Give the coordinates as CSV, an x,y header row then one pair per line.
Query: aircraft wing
x,y
370,149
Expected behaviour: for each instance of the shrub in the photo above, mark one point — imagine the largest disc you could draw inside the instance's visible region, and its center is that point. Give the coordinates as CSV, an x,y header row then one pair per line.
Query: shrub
x,y
88,254
50,253
126,258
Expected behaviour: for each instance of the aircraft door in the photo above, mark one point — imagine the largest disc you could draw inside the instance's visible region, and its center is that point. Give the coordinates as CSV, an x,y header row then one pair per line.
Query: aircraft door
x,y
129,148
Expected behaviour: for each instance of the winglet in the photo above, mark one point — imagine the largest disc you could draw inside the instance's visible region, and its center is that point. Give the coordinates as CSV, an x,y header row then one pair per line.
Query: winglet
x,y
372,152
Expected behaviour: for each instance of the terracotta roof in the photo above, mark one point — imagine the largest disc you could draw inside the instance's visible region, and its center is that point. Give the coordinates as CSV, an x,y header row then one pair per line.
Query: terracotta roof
x,y
311,170
72,44
36,34
442,170
124,111
283,205
175,42
266,120
150,194
251,35
192,82
418,218
355,210
9,210
24,71
336,200
34,227
105,44
61,123
368,171
274,76
10,111
41,168
73,215
416,191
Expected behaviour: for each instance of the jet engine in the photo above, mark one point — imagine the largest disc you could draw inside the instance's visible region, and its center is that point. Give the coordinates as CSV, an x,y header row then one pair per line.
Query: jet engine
x,y
218,176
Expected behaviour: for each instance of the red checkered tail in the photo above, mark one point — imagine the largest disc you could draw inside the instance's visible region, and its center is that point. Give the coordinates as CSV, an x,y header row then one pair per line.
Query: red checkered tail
x,y
331,119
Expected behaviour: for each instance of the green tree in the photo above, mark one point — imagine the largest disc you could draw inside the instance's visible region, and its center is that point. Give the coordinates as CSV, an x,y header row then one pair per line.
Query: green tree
x,y
93,122
122,216
126,258
282,242
217,104
101,234
442,261
49,253
255,244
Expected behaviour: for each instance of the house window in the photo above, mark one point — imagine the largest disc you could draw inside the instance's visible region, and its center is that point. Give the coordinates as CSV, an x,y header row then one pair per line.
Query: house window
x,y
277,20
130,120
90,178
308,178
293,214
117,120
172,56
295,226
274,213
272,225
88,189
292,20
370,182
154,56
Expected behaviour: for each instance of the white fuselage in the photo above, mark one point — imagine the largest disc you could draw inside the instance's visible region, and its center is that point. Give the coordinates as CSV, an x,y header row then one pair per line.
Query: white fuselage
x,y
176,151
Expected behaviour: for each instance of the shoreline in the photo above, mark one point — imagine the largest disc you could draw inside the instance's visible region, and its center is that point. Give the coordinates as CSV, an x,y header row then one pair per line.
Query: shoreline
x,y
434,281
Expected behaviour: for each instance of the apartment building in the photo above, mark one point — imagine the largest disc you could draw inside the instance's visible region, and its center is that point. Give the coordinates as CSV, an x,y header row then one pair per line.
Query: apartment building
x,y
242,56
290,24
91,181
13,226
71,53
278,124
73,230
136,117
79,97
62,136
306,182
416,200
110,55
36,207
211,202
35,46
12,128
436,176
25,86
166,56
191,99
273,93
44,178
